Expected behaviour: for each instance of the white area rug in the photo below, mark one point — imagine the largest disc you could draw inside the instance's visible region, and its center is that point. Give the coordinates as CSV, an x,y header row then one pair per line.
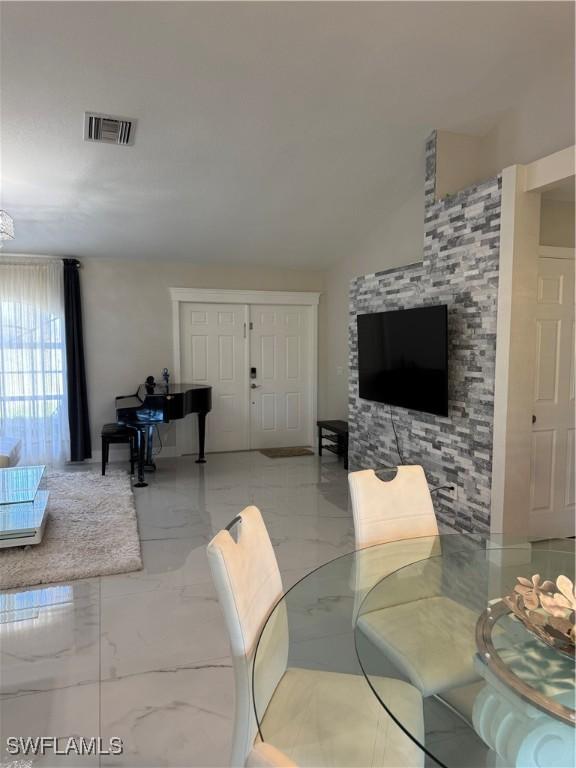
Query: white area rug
x,y
91,531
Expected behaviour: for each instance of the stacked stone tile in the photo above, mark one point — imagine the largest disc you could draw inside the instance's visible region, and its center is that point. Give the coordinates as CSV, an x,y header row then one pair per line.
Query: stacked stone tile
x,y
460,269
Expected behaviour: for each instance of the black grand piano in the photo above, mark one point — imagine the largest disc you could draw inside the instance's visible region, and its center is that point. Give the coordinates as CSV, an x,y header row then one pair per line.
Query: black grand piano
x,y
159,403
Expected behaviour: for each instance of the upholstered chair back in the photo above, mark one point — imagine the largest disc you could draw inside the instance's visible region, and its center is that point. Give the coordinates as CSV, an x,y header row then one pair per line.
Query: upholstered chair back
x,y
390,510
248,584
373,564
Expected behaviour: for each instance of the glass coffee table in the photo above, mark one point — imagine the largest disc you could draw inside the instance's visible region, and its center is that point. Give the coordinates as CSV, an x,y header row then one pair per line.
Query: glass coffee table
x,y
23,503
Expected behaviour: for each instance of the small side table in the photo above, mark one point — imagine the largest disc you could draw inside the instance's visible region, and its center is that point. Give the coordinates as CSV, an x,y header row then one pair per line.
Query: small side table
x,y
336,435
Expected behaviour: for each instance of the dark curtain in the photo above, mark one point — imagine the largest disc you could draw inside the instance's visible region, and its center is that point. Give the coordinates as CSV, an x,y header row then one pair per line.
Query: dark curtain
x,y
80,446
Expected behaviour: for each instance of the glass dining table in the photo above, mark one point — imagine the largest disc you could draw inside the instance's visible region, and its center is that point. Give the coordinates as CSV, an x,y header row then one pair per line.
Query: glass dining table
x,y
430,611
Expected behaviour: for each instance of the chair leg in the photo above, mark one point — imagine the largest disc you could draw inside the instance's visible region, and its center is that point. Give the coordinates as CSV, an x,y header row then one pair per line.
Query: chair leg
x,y
132,454
105,448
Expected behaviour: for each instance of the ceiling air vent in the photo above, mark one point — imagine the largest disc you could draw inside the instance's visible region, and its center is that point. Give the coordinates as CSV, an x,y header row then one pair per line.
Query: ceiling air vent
x,y
108,129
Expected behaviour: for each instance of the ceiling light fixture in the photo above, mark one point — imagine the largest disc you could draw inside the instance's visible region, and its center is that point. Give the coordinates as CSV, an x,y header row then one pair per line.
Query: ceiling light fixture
x,y
6,226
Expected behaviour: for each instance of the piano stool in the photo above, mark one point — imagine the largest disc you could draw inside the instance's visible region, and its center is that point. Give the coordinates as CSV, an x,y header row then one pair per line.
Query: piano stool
x,y
117,433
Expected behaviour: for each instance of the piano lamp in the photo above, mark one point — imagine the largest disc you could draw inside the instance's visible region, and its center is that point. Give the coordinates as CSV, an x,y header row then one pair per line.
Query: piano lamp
x,y
6,226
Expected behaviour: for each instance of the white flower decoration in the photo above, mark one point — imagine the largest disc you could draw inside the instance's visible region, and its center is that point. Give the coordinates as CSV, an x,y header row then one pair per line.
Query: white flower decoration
x,y
532,590
562,603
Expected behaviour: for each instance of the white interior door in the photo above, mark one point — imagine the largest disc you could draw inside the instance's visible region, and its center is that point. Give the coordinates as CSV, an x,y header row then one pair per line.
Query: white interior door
x,y
214,351
280,402
552,468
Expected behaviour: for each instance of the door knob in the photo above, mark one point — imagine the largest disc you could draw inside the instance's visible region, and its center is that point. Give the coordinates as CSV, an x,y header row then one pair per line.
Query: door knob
x,y
255,386
533,419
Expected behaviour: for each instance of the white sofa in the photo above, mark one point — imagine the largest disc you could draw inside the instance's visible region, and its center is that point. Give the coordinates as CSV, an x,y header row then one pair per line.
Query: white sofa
x,y
9,452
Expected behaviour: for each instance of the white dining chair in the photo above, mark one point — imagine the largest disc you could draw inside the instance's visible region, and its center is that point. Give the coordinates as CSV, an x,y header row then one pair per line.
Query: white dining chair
x,y
390,510
428,636
308,717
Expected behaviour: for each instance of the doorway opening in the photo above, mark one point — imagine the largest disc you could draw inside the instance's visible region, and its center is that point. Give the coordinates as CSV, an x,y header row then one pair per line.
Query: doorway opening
x,y
534,419
552,444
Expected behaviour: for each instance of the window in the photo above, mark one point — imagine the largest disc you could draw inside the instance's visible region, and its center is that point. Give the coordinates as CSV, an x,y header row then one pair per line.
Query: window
x,y
31,362
33,402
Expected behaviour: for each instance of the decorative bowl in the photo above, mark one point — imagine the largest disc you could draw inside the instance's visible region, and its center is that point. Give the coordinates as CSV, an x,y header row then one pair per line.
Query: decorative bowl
x,y
547,610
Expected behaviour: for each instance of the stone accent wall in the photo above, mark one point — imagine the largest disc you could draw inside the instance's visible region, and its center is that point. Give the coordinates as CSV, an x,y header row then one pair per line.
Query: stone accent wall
x,y
460,269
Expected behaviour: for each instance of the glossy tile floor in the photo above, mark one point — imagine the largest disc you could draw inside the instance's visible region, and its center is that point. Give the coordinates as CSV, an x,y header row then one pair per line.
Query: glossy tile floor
x,y
144,656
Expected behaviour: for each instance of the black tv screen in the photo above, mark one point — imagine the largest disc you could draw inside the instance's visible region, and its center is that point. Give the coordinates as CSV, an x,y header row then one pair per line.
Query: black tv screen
x,y
403,358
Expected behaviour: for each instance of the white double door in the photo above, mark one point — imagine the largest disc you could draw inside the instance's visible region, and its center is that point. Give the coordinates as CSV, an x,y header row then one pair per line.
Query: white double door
x,y
257,360
552,471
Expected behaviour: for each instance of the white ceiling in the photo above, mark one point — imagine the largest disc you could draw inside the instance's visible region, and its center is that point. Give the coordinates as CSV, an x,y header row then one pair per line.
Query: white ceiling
x,y
267,132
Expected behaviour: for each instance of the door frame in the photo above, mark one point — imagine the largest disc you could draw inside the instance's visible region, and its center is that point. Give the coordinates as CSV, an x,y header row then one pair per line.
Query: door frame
x,y
308,299
520,248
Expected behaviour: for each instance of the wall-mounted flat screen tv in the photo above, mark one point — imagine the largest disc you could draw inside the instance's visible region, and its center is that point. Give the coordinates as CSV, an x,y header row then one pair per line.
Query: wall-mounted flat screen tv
x,y
403,358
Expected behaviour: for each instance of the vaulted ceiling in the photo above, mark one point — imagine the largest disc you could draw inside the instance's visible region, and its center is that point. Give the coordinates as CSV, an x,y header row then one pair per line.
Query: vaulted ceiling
x,y
267,132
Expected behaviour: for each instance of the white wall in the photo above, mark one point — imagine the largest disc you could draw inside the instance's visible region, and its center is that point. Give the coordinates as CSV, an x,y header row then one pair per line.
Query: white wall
x,y
127,306
128,320
460,162
540,123
397,242
557,223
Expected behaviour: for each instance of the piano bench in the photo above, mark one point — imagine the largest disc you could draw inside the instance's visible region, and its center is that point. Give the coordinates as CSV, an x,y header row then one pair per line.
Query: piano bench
x,y
117,433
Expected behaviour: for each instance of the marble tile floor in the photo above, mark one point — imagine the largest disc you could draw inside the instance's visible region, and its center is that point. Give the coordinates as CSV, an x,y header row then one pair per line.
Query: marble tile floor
x,y
144,656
